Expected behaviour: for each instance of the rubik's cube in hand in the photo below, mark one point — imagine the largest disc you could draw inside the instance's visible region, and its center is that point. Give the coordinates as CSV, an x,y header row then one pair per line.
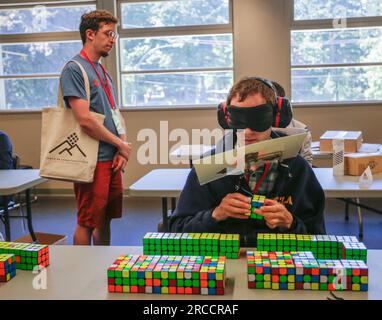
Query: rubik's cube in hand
x,y
256,203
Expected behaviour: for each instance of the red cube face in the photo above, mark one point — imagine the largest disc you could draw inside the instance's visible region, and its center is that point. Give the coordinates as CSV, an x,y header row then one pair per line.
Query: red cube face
x,y
259,270
315,271
219,291
220,284
141,289
172,283
195,290
364,272
251,284
188,290
110,281
356,272
307,271
275,271
149,282
172,290
299,286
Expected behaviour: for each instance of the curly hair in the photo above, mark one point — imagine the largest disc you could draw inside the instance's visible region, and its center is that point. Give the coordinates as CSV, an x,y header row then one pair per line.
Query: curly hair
x,y
92,20
249,86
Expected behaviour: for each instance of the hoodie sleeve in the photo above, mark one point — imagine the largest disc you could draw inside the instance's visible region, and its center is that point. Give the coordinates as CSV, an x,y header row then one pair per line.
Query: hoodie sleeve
x,y
308,211
193,212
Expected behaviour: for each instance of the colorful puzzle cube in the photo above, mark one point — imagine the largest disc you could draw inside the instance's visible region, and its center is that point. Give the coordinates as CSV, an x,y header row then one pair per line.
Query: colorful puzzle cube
x,y
28,256
167,275
7,267
256,203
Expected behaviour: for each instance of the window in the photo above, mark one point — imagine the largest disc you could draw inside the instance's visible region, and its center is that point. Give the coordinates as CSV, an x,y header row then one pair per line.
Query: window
x,y
175,53
336,51
35,42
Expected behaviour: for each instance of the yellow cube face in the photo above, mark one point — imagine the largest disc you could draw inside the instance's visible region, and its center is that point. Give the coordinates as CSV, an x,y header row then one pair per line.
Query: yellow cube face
x,y
164,290
148,275
126,289
267,285
219,276
291,278
8,277
267,278
364,279
164,275
179,275
125,274
275,286
315,286
356,287
291,286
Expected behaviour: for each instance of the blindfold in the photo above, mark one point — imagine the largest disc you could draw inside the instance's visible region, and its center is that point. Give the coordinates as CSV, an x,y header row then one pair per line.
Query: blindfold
x,y
257,118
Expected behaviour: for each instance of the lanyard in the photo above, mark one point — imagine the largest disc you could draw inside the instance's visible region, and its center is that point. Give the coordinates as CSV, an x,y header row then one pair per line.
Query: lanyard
x,y
106,88
259,183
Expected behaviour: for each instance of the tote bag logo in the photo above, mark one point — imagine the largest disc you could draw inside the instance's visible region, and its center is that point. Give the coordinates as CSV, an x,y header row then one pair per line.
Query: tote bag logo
x,y
68,145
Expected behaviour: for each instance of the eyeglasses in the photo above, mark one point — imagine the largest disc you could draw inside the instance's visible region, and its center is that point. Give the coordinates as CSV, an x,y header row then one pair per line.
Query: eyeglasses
x,y
111,34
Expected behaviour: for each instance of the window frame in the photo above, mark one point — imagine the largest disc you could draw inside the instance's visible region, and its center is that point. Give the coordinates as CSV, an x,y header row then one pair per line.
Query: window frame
x,y
322,24
28,38
214,29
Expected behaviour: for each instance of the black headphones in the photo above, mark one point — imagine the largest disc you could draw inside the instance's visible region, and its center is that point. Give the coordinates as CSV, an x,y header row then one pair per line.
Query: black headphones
x,y
282,108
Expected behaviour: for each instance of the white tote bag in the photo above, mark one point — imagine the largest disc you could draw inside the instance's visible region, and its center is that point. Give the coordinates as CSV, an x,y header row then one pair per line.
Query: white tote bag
x,y
67,152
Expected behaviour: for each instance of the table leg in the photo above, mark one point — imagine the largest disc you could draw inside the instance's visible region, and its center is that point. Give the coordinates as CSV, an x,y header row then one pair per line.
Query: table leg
x,y
6,219
173,204
360,221
164,214
346,211
29,214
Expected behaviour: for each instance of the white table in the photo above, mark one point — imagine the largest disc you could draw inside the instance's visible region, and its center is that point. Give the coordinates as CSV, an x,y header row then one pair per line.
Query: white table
x,y
13,182
80,272
163,183
190,152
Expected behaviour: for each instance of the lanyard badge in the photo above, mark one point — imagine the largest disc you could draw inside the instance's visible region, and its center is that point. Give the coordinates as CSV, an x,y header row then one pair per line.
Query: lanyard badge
x,y
116,115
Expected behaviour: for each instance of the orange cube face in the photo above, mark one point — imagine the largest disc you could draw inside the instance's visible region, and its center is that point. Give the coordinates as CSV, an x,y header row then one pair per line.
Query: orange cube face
x,y
172,290
188,290
180,290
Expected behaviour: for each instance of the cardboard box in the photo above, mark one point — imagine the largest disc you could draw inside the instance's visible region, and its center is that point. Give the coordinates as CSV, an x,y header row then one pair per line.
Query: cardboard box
x,y
44,238
356,163
352,139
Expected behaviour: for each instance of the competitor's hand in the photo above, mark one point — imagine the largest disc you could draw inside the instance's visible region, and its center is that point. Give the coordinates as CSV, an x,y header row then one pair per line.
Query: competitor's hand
x,y
234,205
275,214
119,163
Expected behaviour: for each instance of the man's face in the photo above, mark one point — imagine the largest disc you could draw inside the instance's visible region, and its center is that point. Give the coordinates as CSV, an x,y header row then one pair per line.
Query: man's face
x,y
248,134
103,42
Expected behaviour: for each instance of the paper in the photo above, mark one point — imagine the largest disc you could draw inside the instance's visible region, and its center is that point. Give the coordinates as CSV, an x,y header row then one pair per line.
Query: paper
x,y
366,179
232,162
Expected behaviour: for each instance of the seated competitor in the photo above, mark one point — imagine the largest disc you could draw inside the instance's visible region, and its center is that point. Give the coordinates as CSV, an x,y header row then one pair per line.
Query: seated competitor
x,y
294,198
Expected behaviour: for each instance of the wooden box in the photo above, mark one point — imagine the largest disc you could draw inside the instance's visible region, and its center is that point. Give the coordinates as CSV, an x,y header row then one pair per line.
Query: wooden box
x,y
352,140
356,163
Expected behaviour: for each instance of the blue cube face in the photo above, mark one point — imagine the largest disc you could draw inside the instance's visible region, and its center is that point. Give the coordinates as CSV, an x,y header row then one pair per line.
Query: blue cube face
x,y
141,274
299,278
364,287
283,286
156,289
290,271
211,276
315,279
212,291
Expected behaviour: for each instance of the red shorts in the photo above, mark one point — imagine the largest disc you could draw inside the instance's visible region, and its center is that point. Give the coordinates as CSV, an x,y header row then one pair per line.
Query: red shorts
x,y
100,200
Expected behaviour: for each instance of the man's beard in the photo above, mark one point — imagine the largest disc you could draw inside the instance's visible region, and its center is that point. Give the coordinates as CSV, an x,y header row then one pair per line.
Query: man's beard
x,y
104,54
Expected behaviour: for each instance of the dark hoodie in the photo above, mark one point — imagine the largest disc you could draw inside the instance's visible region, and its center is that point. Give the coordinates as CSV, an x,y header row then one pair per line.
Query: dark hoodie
x,y
296,187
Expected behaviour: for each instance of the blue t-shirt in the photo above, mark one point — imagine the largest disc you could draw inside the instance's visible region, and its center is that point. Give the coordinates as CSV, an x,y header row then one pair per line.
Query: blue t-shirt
x,y
73,85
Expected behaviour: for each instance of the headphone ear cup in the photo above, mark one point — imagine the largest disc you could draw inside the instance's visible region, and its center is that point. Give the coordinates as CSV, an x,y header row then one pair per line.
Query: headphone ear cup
x,y
282,113
222,116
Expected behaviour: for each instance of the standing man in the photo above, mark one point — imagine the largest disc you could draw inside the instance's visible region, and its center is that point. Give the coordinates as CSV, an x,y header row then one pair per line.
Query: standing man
x,y
100,201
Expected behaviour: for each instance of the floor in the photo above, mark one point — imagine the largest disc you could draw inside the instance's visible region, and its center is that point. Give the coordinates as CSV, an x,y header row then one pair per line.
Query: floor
x,y
58,216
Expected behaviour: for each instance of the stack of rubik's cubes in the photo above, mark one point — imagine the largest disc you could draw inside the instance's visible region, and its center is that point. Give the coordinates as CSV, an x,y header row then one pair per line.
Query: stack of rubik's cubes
x,y
27,255
301,271
7,267
167,275
256,203
289,262
203,244
322,246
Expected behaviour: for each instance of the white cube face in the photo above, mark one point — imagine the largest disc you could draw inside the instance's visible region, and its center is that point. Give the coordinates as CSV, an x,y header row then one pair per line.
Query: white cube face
x,y
149,289
251,277
204,291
